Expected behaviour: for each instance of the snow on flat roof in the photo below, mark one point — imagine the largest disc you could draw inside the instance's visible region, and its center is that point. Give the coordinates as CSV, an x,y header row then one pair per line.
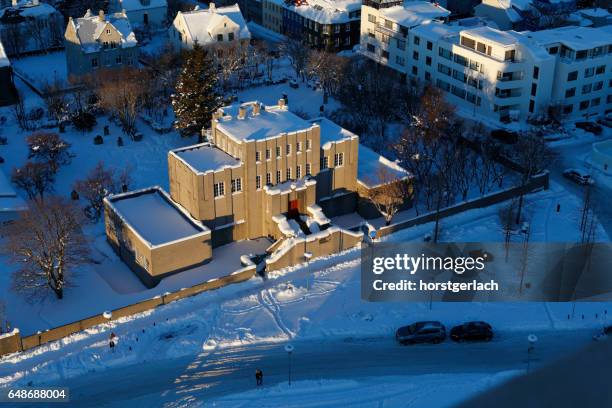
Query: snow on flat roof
x,y
374,169
577,38
154,217
325,11
4,61
269,123
504,38
331,131
200,22
130,5
205,157
437,30
414,13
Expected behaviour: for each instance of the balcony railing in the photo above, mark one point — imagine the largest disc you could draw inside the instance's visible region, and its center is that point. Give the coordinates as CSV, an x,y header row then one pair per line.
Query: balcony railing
x,y
389,31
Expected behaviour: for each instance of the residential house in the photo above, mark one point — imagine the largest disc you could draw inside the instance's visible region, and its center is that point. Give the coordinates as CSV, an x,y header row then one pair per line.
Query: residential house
x,y
322,24
145,14
29,26
212,26
95,42
265,172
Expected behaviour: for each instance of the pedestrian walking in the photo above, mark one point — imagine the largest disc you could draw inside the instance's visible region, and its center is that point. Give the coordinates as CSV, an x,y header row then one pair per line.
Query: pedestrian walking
x,y
259,377
112,341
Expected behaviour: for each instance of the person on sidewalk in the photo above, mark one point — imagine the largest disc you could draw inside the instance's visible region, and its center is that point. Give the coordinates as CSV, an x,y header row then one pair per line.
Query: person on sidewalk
x,y
112,341
259,377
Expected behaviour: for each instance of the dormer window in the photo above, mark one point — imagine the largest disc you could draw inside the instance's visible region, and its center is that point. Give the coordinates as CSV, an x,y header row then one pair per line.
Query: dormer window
x,y
108,31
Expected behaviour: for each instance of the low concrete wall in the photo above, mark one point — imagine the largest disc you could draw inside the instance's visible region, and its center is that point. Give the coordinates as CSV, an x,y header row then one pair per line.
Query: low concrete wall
x,y
539,181
13,342
337,240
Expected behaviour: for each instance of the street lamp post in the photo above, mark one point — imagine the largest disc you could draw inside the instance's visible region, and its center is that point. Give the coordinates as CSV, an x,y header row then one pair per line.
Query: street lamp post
x,y
532,339
289,349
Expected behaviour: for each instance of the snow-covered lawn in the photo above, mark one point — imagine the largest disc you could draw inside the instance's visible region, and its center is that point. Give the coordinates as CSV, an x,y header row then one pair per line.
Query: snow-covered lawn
x,y
42,70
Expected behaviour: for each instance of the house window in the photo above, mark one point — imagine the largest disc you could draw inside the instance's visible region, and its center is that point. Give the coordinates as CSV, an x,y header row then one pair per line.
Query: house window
x,y
288,173
338,159
531,105
567,109
428,60
219,189
572,76
219,37
587,88
267,154
258,156
415,55
118,59
417,40
427,76
401,44
278,176
278,151
288,149
230,37
534,89
308,144
429,45
298,147
236,185
597,86
399,60
268,178
371,48
308,168
570,92
258,182
324,162
600,69
589,72
371,18
415,70
108,31
298,172
595,102
584,105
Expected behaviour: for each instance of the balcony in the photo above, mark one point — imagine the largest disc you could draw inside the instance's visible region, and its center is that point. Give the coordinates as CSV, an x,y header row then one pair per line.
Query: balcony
x,y
389,31
510,76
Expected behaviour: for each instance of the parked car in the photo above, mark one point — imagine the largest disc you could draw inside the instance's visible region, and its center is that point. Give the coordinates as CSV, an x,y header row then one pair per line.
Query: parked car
x,y
607,121
579,176
472,331
604,334
421,332
504,136
590,127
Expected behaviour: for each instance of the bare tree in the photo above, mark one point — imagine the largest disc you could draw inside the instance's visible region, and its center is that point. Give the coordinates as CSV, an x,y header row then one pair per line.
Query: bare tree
x,y
328,68
56,100
533,156
298,54
47,243
389,194
21,115
506,218
35,179
99,183
50,148
231,58
120,92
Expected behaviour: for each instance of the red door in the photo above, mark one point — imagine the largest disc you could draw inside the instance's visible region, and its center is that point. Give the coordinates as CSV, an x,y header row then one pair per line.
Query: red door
x,y
294,208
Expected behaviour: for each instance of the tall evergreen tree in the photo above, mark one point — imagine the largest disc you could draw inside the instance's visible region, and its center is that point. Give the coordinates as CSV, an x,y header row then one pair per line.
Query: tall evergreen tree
x,y
197,95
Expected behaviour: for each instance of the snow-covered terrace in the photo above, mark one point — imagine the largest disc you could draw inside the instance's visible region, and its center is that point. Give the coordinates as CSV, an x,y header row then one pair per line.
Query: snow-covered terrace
x,y
204,157
270,122
414,13
156,219
374,170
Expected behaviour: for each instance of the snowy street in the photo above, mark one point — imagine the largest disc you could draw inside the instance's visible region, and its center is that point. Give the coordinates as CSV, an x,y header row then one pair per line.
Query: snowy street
x,y
216,374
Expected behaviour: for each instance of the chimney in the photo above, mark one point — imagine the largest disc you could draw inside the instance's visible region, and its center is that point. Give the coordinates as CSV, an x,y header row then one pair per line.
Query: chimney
x,y
15,3
241,112
212,7
281,103
256,108
101,15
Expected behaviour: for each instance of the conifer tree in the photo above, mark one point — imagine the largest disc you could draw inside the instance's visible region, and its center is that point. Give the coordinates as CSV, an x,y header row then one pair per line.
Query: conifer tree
x,y
197,94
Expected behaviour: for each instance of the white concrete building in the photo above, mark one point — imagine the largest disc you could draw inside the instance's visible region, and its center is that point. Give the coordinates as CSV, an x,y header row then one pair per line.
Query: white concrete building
x,y
385,28
212,26
502,75
145,13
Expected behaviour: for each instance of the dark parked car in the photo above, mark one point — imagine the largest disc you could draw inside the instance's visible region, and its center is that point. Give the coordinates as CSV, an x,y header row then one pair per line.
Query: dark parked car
x,y
590,127
578,176
472,331
421,332
505,136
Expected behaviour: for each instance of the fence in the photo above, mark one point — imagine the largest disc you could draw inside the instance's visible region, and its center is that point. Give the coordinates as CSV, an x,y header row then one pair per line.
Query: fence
x,y
537,182
14,342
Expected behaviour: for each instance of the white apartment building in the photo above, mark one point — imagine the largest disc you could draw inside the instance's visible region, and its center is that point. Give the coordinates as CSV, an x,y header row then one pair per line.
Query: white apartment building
x,y
502,75
385,27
